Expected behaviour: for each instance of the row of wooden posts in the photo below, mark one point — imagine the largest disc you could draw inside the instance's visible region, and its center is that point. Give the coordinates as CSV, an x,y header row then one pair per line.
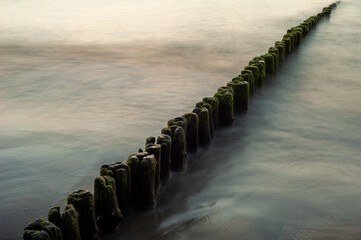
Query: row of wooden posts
x,y
136,182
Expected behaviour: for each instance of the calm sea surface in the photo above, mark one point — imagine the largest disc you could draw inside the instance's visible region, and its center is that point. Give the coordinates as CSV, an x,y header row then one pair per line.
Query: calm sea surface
x,y
85,82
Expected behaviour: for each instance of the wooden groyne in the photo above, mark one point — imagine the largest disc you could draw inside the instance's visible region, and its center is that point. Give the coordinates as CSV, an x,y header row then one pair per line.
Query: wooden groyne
x,y
135,182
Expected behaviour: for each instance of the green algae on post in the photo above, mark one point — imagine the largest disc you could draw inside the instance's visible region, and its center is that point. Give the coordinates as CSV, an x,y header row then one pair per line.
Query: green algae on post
x,y
210,113
166,145
320,15
155,149
39,229
288,44
214,102
305,28
70,225
299,33
54,216
296,36
270,62
121,173
122,180
255,71
247,75
83,202
241,94
326,11
204,132
181,122
293,38
281,49
226,115
192,131
147,170
178,151
133,163
178,121
261,64
166,131
107,211
275,53
148,140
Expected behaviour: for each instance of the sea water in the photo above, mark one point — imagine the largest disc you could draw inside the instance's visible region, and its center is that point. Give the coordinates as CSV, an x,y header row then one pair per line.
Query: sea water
x,y
84,83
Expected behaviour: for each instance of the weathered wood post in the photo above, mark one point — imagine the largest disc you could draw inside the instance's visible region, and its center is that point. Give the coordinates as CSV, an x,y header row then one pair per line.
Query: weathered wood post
x,y
121,174
226,115
166,146
156,150
54,216
204,131
210,114
178,152
147,168
192,131
69,223
241,94
40,229
107,211
83,202
214,102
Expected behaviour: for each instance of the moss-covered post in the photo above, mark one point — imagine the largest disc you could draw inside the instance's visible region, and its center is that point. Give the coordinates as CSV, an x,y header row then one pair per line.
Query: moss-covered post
x,y
83,202
166,145
247,75
226,115
280,45
276,55
204,131
270,62
149,140
261,64
166,131
178,153
192,131
210,114
298,31
305,28
121,173
123,184
133,163
311,21
255,71
69,224
147,170
180,122
288,44
40,229
107,211
241,94
156,150
214,102
292,36
54,216
320,16
308,24
326,11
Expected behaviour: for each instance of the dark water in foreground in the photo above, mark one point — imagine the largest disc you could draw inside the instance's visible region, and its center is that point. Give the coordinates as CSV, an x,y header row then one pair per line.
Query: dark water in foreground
x,y
288,169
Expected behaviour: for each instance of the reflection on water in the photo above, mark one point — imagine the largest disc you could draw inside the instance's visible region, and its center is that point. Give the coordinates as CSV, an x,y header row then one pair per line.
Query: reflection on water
x,y
81,90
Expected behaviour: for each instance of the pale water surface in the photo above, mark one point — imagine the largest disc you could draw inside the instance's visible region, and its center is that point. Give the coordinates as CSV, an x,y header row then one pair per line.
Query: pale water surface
x,y
85,82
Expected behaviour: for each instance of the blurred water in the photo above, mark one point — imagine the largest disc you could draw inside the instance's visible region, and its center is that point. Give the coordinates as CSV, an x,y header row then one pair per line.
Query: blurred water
x,y
83,83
